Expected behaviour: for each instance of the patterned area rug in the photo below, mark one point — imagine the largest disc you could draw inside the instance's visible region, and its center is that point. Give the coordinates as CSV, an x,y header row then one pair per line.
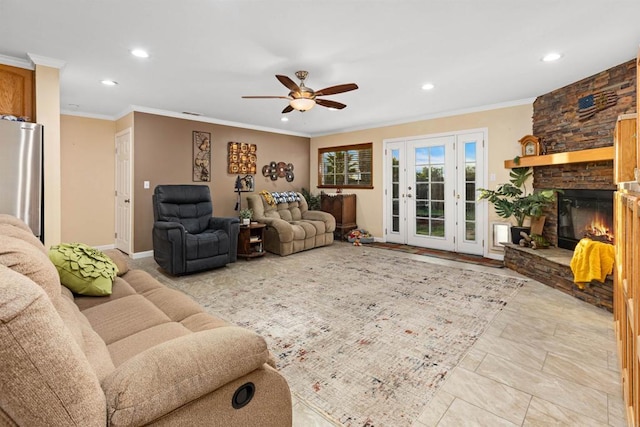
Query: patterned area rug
x,y
365,335
453,256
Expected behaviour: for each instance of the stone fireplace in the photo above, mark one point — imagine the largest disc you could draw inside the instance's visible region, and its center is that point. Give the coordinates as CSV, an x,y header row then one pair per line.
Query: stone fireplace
x,y
559,124
584,213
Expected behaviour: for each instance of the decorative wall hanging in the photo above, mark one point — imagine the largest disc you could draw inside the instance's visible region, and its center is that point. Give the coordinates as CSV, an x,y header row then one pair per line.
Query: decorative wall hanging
x,y
243,185
201,156
242,158
278,170
591,104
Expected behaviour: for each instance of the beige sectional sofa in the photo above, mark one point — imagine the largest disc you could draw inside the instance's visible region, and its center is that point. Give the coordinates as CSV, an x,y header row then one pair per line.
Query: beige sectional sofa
x,y
145,355
291,226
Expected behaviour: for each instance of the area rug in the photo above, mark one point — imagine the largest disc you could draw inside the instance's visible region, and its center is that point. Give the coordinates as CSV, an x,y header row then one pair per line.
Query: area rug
x,y
363,334
453,256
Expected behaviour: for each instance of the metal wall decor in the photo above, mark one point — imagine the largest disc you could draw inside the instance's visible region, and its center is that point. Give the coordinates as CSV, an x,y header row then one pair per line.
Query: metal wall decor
x,y
201,156
278,170
242,158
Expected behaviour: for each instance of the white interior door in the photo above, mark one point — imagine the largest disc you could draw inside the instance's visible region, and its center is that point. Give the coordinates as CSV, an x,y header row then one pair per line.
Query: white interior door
x,y
123,190
430,191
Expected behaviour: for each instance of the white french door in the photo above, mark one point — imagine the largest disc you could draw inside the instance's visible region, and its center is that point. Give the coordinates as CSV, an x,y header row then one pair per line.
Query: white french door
x,y
430,191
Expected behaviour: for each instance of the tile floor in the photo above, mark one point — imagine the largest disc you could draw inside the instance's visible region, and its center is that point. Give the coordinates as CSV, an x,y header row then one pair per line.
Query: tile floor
x,y
546,359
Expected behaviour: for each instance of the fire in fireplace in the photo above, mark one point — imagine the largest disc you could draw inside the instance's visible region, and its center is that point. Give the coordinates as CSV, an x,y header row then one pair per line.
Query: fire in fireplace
x,y
584,213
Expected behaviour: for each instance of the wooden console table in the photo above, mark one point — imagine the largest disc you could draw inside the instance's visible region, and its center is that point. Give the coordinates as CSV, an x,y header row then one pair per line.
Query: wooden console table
x,y
343,208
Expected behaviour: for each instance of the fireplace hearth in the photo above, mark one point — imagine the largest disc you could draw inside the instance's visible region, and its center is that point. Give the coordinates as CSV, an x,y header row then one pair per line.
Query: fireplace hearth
x,y
584,213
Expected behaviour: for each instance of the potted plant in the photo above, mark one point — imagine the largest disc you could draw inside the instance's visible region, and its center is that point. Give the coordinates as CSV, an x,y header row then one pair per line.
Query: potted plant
x,y
245,216
513,200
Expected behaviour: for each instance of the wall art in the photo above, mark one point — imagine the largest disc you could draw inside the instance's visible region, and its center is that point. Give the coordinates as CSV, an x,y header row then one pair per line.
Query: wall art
x,y
201,156
275,170
242,158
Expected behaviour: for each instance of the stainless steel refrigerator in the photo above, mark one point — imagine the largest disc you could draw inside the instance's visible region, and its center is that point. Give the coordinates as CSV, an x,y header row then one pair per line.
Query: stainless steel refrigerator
x,y
21,178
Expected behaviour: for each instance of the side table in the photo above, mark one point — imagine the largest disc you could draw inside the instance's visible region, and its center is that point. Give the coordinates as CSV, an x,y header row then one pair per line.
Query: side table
x,y
250,240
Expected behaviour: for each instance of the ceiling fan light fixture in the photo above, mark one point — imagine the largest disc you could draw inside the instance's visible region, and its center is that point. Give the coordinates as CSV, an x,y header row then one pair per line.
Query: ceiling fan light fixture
x,y
302,104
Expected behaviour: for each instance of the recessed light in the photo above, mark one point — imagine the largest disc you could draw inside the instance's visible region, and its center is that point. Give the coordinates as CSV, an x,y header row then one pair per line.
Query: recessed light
x,y
550,57
284,119
108,82
140,53
427,86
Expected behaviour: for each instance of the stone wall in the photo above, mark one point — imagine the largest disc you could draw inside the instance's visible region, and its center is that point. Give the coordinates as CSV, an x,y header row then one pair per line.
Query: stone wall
x,y
556,121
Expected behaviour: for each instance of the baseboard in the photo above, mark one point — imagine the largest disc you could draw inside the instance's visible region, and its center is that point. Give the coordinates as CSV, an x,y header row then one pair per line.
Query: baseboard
x,y
145,254
105,247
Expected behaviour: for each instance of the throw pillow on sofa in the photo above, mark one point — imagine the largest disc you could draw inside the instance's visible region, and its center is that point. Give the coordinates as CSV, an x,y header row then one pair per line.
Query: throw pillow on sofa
x,y
83,269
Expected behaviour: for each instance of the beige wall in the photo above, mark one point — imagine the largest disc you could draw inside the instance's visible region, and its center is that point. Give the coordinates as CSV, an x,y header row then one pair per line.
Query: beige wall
x,y
163,155
88,174
505,126
48,114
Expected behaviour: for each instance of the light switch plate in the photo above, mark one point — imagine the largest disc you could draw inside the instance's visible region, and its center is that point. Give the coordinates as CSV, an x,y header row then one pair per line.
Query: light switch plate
x,y
146,184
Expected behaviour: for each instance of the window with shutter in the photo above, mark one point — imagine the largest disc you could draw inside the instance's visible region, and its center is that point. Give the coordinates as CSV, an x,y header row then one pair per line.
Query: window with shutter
x,y
348,166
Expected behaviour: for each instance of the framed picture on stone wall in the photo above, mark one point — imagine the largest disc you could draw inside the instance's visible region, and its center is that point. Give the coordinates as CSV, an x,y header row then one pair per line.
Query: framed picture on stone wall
x,y
201,156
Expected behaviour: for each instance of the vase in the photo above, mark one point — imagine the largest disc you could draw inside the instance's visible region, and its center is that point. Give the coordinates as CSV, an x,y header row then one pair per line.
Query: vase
x,y
246,221
515,233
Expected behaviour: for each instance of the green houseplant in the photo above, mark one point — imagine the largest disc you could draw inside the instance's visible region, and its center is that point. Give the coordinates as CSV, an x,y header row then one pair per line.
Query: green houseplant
x,y
245,215
513,200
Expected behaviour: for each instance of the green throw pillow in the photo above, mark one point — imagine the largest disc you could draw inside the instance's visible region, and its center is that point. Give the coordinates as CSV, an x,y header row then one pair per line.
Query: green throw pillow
x,y
83,269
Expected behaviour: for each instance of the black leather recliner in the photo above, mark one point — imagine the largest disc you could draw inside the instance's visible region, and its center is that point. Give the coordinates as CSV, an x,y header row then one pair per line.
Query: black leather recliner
x,y
186,236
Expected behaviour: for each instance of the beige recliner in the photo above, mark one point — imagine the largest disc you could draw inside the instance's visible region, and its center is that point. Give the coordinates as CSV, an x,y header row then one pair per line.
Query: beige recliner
x,y
291,226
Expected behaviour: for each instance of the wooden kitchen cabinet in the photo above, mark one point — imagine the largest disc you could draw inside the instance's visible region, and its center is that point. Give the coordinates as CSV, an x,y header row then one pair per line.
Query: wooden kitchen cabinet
x,y
17,92
625,142
343,208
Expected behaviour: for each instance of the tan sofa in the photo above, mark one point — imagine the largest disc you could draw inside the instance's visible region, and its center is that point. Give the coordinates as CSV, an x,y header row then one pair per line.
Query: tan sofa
x,y
145,355
291,226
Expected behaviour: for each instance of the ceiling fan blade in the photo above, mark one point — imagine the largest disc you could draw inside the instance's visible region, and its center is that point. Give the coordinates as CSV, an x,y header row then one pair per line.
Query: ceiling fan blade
x,y
332,90
288,109
330,104
267,97
290,84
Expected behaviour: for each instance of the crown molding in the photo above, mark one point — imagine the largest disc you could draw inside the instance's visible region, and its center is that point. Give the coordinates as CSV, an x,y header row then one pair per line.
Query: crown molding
x,y
16,62
159,112
46,61
86,115
450,113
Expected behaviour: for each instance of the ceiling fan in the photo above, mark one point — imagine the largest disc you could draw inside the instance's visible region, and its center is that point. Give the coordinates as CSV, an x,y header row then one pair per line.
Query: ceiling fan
x,y
303,98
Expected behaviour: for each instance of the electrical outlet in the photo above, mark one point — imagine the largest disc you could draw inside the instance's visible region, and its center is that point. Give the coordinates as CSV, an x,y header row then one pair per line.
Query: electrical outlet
x,y
146,185
492,177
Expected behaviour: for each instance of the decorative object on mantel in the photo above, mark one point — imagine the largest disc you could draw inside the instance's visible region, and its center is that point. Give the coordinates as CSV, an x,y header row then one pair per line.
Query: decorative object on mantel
x,y
598,101
530,145
513,200
201,156
242,158
278,170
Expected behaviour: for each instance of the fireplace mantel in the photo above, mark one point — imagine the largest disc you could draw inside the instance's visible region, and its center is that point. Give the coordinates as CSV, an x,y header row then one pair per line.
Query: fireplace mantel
x,y
580,156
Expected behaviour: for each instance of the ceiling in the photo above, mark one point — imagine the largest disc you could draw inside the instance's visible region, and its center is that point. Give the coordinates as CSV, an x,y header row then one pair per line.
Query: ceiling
x,y
204,55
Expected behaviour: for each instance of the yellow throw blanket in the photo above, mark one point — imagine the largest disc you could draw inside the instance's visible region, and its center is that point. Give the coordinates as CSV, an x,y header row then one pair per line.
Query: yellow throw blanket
x,y
591,261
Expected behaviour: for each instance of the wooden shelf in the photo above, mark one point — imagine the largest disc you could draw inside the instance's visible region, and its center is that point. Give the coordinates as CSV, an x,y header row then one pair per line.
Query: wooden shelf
x,y
581,156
